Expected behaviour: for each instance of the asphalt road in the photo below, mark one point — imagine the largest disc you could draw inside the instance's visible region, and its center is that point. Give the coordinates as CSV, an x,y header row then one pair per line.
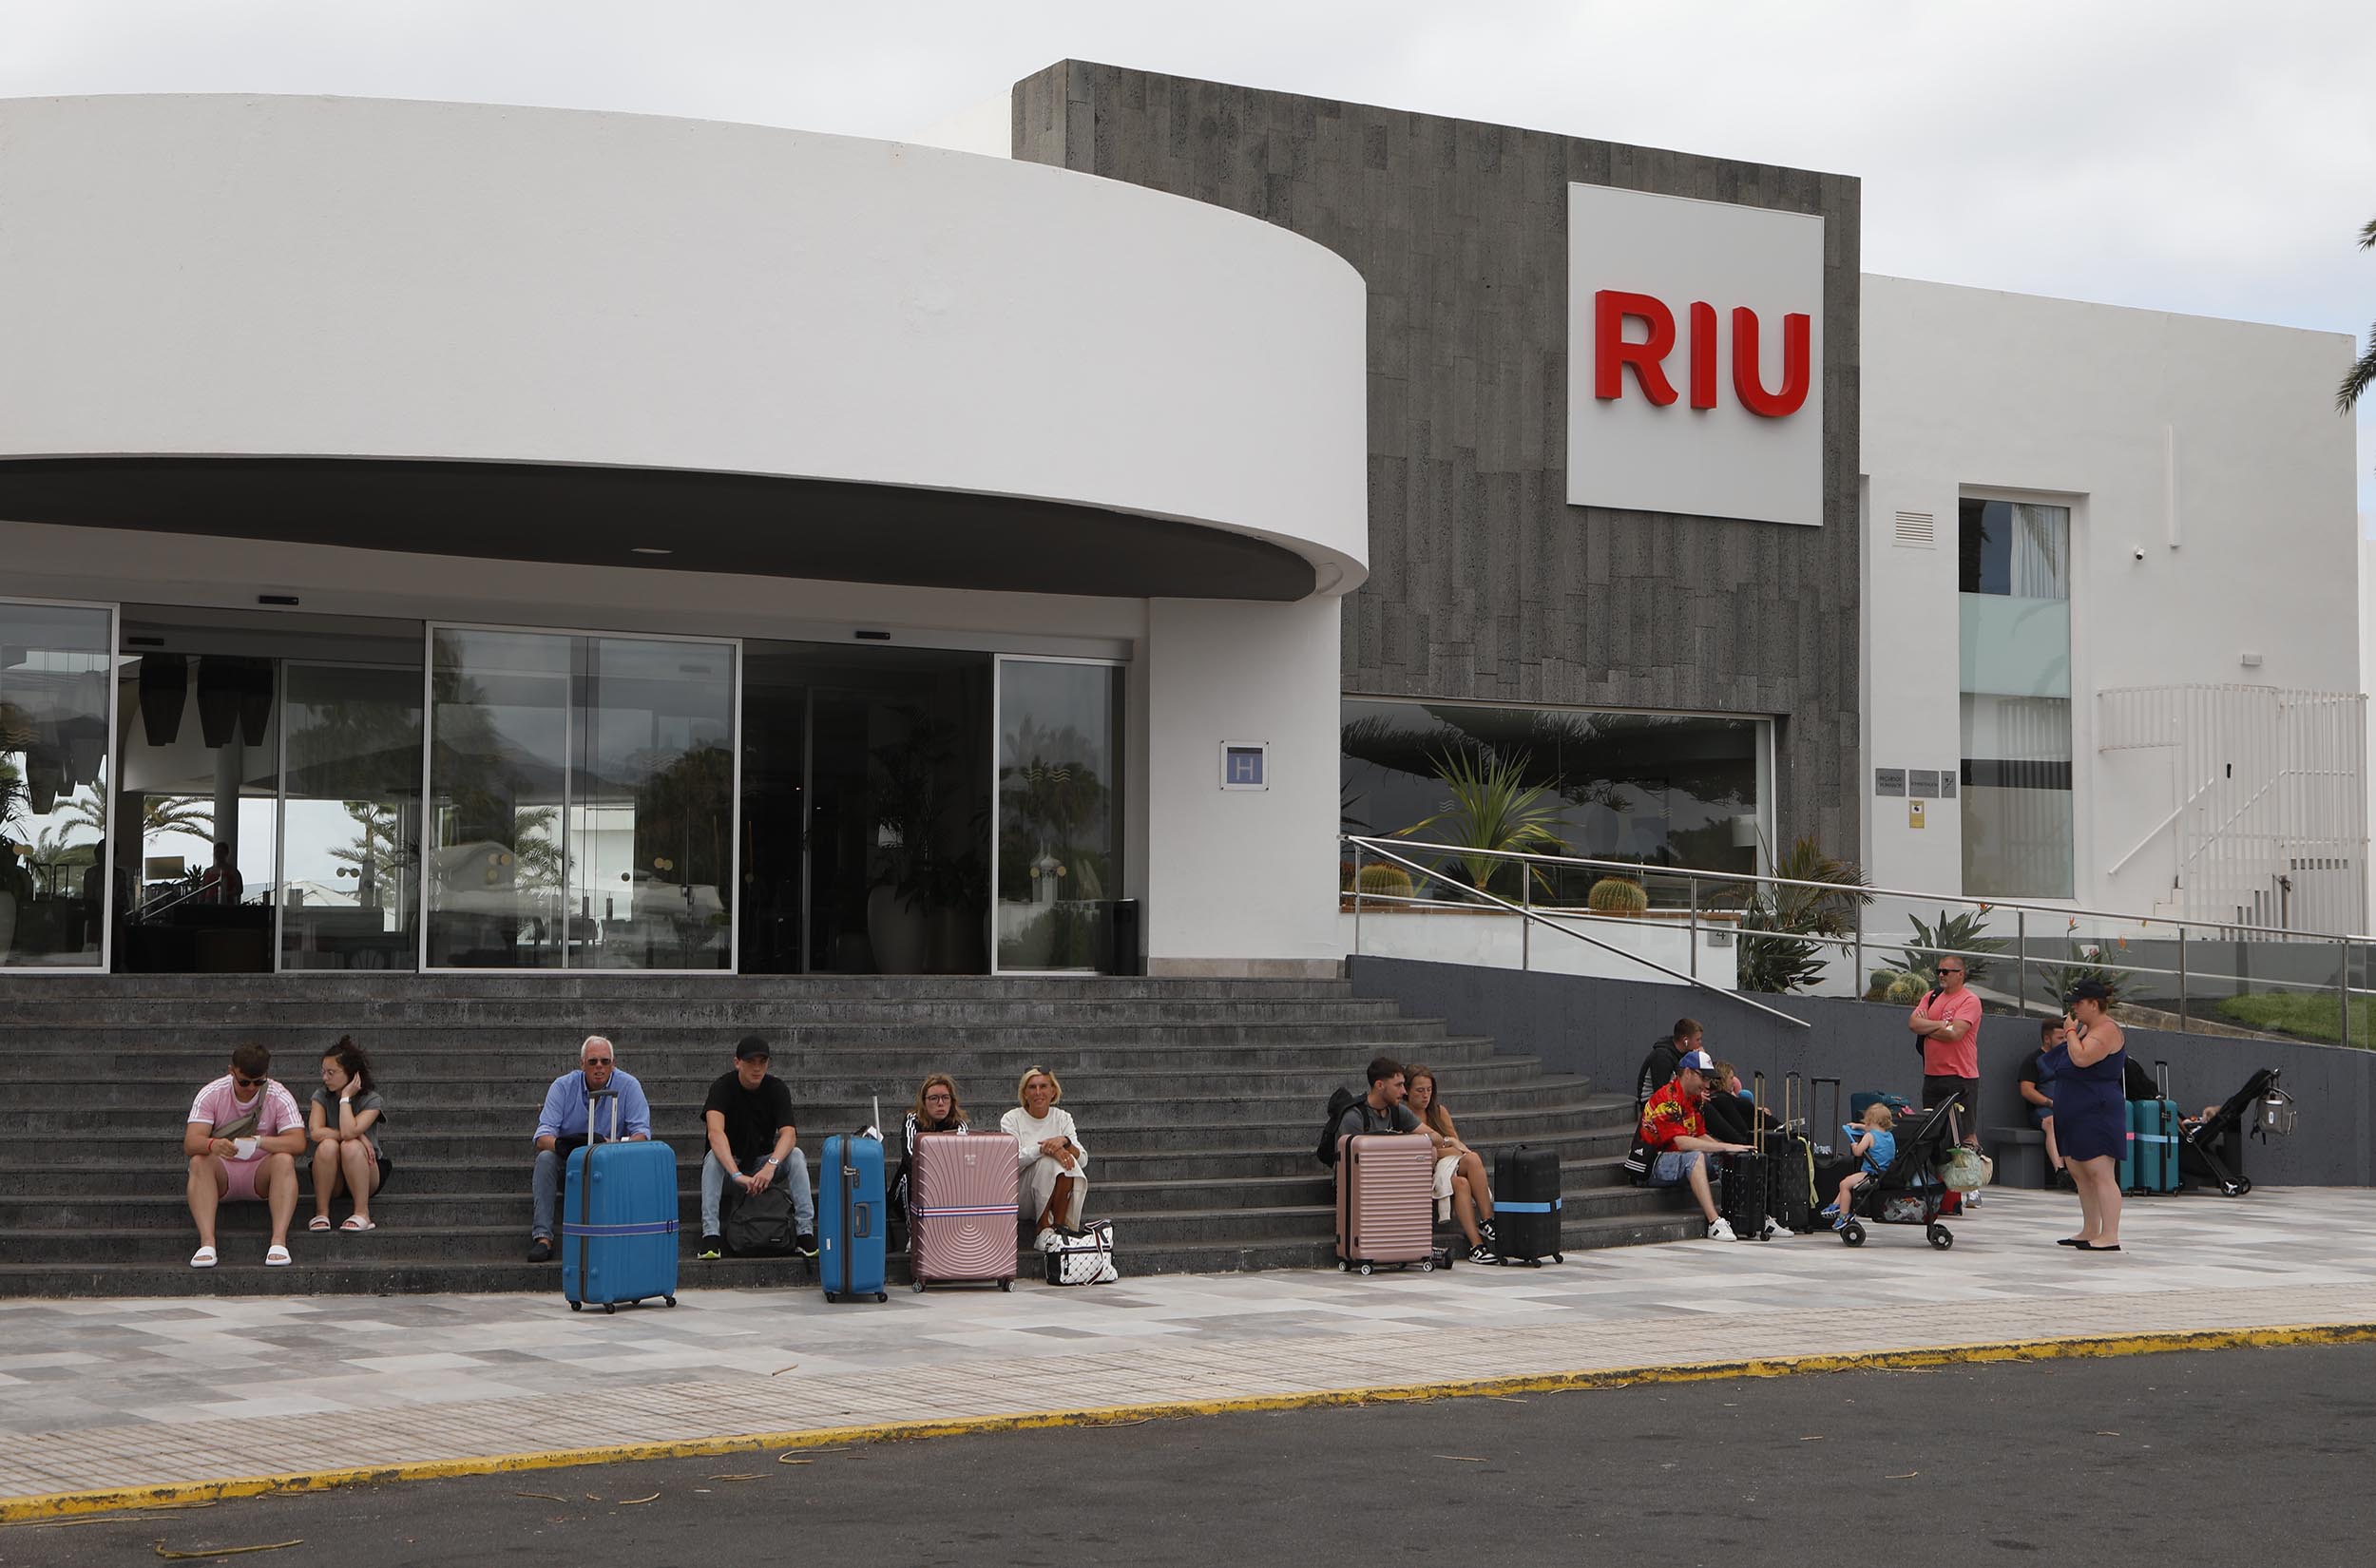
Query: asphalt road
x,y
2162,1460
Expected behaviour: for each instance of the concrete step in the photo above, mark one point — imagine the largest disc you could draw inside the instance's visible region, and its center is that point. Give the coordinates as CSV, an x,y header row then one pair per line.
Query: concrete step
x,y
361,1016
561,1038
595,985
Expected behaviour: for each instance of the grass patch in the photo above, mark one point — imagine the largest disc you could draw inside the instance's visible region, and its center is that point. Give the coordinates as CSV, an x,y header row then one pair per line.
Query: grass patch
x,y
2304,1015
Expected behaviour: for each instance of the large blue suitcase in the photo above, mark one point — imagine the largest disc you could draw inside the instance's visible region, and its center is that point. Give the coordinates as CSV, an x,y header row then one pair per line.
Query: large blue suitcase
x,y
850,1218
619,1219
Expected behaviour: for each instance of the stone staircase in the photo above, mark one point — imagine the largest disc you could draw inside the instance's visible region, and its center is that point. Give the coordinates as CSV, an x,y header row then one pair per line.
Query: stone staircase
x,y
1199,1101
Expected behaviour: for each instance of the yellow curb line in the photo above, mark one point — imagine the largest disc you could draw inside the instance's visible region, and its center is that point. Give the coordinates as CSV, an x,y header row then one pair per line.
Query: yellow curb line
x,y
49,1505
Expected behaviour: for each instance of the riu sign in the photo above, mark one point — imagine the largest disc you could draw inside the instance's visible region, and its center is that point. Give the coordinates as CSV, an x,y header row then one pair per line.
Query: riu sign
x,y
1614,352
1694,358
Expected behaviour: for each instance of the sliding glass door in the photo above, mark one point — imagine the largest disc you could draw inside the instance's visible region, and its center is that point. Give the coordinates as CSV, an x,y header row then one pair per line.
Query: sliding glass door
x,y
56,717
1060,813
579,801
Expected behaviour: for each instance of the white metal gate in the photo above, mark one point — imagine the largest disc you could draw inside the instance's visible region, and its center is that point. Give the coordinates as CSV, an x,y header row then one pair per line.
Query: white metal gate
x,y
2270,822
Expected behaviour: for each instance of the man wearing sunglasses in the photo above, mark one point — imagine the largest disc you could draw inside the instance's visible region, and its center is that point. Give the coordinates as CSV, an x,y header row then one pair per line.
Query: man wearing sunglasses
x,y
567,1122
1947,1026
242,1139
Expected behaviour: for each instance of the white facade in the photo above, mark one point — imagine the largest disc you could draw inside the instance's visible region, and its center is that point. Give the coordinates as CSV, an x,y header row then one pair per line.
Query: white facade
x,y
2210,489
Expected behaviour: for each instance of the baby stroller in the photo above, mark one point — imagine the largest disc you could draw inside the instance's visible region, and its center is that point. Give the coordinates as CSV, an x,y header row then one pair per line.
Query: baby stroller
x,y
2212,1150
1911,1190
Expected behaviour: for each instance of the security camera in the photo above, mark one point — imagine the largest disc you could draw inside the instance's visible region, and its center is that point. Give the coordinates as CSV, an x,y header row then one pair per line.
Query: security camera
x,y
2138,552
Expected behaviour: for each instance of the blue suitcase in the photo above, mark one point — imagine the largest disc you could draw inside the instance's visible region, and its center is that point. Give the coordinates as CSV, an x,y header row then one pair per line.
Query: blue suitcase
x,y
619,1219
850,1218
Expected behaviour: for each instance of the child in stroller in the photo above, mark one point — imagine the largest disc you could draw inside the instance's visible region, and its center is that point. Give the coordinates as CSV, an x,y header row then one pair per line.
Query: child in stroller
x,y
1874,1147
1911,1189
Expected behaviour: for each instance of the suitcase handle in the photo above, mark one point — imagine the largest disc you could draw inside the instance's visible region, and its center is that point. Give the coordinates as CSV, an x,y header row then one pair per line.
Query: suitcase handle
x,y
586,1193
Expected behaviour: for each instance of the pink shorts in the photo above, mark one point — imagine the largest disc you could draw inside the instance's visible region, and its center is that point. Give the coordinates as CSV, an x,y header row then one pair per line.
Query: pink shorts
x,y
243,1174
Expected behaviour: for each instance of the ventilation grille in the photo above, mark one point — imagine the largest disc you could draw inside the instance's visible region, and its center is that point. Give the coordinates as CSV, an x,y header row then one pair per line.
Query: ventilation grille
x,y
1919,530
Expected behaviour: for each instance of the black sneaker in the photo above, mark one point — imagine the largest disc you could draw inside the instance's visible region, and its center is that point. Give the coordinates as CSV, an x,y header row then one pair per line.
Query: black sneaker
x,y
805,1245
1483,1252
1485,1229
711,1249
540,1249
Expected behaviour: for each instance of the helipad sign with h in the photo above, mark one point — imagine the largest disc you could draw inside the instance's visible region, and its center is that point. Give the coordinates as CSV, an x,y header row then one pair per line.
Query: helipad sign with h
x,y
1695,357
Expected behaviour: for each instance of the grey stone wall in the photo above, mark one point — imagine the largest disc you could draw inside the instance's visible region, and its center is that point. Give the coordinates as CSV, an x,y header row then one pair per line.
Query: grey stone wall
x,y
1485,583
1601,1028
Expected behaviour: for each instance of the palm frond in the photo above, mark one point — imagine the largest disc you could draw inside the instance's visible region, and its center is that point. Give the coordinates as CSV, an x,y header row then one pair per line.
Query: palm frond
x,y
2367,236
2363,375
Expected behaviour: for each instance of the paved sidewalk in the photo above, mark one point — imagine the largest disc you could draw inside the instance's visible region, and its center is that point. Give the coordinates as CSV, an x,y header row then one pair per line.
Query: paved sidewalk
x,y
121,1393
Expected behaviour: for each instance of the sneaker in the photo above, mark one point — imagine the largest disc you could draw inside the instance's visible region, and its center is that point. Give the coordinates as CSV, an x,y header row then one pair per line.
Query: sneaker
x,y
1831,1211
540,1249
712,1249
1839,1223
805,1245
1719,1231
1047,1241
1485,1229
1482,1253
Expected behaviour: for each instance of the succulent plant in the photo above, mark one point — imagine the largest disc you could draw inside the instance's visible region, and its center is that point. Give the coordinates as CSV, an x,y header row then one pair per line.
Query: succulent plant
x,y
1617,895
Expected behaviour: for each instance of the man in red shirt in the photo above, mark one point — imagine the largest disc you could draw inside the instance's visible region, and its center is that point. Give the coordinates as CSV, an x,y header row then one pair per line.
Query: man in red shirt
x,y
1948,1024
1674,1140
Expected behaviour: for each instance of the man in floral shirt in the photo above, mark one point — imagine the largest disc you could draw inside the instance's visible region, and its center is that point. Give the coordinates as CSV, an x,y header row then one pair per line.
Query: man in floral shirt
x,y
1675,1140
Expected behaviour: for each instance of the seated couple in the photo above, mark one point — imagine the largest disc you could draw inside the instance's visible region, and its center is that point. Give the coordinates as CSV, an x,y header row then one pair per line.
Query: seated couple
x,y
1051,1162
243,1133
1404,1099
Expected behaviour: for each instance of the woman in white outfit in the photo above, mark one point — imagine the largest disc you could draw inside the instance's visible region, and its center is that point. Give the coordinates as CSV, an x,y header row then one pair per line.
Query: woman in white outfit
x,y
1051,1186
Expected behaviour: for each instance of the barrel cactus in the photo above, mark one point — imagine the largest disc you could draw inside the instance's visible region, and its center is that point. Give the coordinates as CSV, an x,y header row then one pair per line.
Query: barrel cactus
x,y
1380,880
1617,895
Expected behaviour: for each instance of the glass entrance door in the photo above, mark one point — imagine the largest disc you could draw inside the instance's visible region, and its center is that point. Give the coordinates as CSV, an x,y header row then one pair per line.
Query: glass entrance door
x,y
1060,798
865,836
579,801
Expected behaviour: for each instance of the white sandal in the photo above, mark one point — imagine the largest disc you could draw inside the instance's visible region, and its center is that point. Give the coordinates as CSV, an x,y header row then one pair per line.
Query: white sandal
x,y
202,1258
275,1257
356,1222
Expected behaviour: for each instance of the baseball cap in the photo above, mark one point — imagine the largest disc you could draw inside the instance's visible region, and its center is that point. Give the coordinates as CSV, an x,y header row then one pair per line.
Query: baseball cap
x,y
1697,1061
750,1047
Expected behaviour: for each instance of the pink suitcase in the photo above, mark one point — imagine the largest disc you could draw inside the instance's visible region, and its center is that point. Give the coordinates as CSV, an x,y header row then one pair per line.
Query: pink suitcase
x,y
1385,1200
961,1210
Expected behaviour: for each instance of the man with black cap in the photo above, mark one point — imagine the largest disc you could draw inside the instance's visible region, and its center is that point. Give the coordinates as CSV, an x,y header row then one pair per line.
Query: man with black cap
x,y
1674,1138
752,1143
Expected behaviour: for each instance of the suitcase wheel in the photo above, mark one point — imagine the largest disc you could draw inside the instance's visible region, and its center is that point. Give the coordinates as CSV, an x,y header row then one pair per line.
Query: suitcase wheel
x,y
917,1287
1005,1284
577,1306
1361,1268
610,1308
1852,1234
1941,1237
880,1296
670,1300
1556,1257
1426,1265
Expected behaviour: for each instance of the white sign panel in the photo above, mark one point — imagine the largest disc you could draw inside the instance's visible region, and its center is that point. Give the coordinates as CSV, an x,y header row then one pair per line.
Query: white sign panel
x,y
1695,357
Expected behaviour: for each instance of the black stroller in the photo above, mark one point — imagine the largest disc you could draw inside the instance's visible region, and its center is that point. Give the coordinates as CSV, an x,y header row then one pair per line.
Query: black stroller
x,y
1911,1190
2212,1150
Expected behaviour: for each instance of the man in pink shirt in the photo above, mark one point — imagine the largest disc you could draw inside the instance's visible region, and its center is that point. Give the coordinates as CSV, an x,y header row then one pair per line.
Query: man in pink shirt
x,y
243,1136
1948,1024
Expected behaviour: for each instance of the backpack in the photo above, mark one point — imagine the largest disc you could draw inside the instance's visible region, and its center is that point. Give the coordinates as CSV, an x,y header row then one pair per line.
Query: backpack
x,y
760,1225
1342,1100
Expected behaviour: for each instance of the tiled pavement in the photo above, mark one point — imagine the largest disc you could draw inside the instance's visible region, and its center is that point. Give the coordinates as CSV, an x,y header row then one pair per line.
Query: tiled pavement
x,y
100,1394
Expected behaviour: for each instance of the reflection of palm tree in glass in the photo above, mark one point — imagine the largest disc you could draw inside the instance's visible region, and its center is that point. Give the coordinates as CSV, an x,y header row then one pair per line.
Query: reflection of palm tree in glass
x,y
1052,808
159,814
379,856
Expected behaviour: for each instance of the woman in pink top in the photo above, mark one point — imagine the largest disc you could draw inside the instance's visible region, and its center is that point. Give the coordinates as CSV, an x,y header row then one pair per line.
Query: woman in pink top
x,y
242,1139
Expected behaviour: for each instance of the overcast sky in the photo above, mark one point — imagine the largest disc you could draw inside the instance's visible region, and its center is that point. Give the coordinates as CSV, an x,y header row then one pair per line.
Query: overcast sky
x,y
2188,155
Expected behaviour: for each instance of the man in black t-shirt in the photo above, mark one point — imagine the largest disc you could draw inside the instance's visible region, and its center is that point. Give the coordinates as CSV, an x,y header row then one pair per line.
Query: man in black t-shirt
x,y
753,1145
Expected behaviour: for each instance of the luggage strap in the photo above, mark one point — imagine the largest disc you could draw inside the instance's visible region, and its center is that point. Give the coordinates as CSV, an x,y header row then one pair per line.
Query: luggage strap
x,y
647,1228
1526,1208
954,1212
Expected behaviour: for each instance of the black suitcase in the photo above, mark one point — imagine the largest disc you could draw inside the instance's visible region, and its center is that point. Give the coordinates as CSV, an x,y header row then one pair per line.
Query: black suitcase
x,y
1526,1205
1741,1195
1790,1159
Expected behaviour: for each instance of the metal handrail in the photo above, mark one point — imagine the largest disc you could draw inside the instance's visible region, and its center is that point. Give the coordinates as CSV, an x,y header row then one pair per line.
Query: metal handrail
x,y
1630,868
1535,917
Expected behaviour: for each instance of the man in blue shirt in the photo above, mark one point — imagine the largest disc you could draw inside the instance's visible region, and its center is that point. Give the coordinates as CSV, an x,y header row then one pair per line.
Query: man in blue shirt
x,y
565,1123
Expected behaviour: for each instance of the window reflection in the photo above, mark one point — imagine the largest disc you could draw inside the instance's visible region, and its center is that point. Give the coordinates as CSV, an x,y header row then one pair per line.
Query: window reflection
x,y
54,757
1059,825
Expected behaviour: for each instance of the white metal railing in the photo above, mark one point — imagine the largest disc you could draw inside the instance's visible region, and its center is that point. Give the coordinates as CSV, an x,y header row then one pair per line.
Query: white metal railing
x,y
2269,825
2040,941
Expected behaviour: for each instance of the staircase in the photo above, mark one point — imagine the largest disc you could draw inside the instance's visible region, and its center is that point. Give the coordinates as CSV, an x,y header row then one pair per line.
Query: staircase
x,y
1199,1101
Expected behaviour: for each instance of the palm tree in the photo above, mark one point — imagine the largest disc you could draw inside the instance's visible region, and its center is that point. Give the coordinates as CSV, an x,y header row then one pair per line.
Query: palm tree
x,y
1493,808
2362,373
160,814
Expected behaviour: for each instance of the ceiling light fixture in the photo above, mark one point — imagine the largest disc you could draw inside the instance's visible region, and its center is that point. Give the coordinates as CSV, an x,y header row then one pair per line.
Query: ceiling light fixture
x,y
652,549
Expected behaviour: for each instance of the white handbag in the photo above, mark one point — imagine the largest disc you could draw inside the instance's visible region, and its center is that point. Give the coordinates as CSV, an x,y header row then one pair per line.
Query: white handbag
x,y
1083,1260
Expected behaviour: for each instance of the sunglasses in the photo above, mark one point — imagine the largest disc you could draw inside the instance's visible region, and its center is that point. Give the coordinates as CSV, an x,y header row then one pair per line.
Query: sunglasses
x,y
1950,971
598,1061
246,1083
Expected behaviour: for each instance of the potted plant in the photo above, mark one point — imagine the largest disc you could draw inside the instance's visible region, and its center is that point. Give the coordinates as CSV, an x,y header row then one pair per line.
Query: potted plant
x,y
1621,896
1493,809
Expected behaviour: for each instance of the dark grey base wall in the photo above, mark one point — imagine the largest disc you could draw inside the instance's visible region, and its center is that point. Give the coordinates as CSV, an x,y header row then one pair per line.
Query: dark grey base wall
x,y
1604,1027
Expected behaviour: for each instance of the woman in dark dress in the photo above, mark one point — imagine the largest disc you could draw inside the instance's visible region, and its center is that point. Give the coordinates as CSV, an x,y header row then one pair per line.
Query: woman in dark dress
x,y
2091,1113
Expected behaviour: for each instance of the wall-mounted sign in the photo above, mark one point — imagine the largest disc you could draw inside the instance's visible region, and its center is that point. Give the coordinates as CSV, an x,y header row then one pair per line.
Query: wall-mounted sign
x,y
1245,764
1913,814
1695,357
1889,782
1946,783
1923,783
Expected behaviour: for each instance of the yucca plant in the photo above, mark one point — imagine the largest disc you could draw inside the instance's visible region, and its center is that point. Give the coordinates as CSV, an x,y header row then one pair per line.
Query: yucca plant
x,y
1492,807
1958,934
1774,955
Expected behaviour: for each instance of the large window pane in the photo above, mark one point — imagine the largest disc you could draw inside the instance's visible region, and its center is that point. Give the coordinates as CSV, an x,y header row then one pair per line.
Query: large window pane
x,y
652,824
2015,644
54,760
1058,813
498,758
351,826
1655,788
